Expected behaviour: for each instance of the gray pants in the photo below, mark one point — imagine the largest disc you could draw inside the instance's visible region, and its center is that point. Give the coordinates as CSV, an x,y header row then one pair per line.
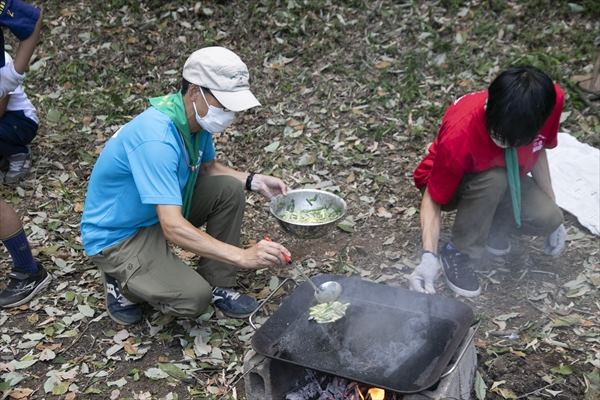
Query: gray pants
x,y
149,271
484,208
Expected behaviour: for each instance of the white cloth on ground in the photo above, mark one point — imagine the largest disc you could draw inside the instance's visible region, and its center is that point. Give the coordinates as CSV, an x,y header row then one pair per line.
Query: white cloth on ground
x,y
575,173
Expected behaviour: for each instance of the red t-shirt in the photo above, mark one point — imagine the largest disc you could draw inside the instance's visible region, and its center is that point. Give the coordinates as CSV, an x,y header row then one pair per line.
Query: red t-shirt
x,y
463,145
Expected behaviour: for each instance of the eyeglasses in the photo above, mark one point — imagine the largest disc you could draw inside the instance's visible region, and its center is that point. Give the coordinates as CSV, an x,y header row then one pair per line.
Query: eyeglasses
x,y
207,91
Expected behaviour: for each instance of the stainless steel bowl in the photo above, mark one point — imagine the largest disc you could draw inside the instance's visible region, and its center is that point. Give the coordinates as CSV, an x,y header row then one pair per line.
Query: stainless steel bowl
x,y
307,199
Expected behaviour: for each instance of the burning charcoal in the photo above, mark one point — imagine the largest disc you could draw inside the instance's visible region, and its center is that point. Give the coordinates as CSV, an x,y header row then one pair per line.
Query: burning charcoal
x,y
306,392
335,390
309,391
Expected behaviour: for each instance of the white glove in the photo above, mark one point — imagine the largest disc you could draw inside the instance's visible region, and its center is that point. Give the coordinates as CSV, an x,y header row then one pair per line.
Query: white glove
x,y
9,79
423,277
555,242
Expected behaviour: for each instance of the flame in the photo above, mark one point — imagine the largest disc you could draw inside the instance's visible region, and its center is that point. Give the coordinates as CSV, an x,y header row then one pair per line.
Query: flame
x,y
376,394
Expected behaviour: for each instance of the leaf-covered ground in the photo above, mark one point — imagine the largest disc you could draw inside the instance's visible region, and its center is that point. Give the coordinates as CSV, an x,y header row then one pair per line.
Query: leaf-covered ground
x,y
352,92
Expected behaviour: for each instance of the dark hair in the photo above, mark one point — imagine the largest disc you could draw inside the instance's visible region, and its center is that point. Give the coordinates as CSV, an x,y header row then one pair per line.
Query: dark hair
x,y
185,85
519,101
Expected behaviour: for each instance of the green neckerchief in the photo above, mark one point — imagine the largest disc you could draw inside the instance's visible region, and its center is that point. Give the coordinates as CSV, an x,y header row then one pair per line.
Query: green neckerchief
x,y
514,181
172,105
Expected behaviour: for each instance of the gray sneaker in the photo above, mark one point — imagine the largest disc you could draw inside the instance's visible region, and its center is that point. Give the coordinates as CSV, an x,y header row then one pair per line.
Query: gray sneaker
x,y
232,303
18,167
22,287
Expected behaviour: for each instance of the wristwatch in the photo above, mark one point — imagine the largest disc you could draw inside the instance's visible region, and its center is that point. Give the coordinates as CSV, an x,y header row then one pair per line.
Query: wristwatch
x,y
249,181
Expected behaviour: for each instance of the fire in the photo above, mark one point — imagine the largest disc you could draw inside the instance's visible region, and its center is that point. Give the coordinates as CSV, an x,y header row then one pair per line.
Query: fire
x,y
376,394
340,388
373,394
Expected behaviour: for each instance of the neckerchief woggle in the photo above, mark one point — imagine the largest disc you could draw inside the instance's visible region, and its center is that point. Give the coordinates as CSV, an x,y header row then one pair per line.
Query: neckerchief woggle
x,y
511,159
172,106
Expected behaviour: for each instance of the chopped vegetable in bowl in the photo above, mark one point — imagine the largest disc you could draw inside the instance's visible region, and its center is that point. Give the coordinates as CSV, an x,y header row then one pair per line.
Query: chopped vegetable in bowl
x,y
308,213
316,216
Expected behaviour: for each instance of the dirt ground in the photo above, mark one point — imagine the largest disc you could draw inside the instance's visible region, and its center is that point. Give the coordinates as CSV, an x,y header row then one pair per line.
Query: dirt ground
x,y
352,93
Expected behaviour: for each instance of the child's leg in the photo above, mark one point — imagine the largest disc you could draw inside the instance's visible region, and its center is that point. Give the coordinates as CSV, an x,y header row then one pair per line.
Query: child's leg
x,y
27,277
16,132
14,238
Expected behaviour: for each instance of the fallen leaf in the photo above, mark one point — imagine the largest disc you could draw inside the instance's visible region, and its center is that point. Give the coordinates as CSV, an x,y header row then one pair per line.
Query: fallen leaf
x,y
480,386
47,355
562,370
383,64
20,393
272,147
60,388
173,371
383,212
114,349
121,336
156,373
200,347
506,317
118,383
86,310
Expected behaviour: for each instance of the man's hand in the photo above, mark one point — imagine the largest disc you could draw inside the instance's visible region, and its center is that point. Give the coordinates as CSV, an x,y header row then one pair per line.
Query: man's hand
x,y
555,242
423,277
268,186
9,79
265,254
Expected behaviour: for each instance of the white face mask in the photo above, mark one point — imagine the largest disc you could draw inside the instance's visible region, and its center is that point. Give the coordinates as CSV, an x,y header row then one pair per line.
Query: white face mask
x,y
216,119
498,143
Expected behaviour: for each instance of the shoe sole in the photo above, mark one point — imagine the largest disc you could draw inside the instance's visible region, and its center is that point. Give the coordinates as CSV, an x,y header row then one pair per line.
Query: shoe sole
x,y
12,181
111,315
498,252
39,288
235,316
463,292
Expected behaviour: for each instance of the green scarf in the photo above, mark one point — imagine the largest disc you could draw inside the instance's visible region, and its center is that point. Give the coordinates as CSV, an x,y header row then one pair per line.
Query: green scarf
x,y
514,181
172,106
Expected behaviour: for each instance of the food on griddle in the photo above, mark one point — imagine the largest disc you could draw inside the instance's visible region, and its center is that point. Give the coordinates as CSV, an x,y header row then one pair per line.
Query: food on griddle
x,y
325,313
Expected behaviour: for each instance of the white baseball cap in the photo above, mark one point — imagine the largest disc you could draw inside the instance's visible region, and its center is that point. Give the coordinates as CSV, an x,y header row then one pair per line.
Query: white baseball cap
x,y
224,73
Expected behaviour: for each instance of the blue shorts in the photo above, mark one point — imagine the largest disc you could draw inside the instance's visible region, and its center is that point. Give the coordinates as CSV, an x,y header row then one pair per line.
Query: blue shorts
x,y
16,132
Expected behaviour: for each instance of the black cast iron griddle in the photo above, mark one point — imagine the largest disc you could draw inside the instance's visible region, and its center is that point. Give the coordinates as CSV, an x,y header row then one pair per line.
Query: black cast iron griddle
x,y
390,337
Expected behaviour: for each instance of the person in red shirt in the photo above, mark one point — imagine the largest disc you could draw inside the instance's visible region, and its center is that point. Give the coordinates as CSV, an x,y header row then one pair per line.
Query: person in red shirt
x,y
479,165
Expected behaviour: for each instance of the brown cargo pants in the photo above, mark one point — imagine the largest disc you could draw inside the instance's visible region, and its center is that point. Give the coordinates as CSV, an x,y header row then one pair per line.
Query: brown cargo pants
x,y
149,271
483,208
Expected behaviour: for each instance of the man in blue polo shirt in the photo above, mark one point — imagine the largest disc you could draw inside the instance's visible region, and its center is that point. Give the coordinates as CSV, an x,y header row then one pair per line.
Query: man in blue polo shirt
x,y
157,181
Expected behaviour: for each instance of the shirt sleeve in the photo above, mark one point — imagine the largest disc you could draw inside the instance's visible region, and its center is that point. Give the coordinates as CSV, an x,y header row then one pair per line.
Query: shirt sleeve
x,y
154,166
446,173
8,61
